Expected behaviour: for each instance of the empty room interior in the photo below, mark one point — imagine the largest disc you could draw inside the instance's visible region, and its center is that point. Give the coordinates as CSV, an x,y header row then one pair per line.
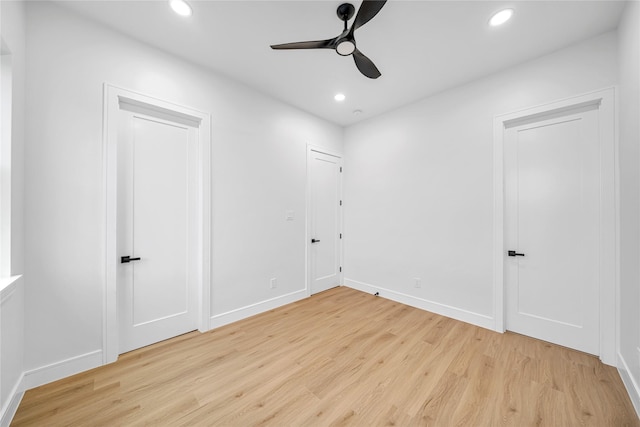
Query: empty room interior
x,y
342,223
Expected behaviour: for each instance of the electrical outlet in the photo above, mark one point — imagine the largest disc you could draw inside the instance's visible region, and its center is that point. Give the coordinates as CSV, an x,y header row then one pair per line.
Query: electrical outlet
x,y
418,282
274,283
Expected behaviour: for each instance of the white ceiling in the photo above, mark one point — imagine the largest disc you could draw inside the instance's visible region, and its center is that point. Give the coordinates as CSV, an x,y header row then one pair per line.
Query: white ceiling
x,y
421,47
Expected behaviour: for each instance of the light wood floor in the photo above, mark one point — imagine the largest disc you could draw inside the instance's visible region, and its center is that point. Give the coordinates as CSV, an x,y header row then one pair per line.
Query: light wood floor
x,y
340,358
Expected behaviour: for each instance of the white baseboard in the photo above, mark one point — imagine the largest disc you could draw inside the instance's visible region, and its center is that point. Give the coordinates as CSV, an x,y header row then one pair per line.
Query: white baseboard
x,y
477,319
251,310
62,369
633,388
9,411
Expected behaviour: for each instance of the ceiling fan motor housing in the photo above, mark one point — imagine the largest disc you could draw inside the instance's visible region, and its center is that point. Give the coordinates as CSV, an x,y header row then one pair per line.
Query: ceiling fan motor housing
x,y
346,46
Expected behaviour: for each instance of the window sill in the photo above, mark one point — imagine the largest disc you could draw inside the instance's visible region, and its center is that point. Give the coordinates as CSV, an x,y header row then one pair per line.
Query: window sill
x,y
7,284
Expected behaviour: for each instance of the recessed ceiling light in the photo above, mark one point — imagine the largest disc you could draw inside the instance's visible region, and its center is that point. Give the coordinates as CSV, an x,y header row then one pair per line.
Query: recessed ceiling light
x,y
339,97
180,7
501,17
357,112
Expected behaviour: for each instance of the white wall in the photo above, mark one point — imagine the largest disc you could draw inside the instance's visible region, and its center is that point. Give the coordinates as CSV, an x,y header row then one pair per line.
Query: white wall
x,y
419,187
12,31
259,165
629,159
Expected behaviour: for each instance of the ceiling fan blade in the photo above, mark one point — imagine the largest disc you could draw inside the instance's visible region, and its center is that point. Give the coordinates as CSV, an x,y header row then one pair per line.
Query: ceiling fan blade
x,y
368,9
319,44
365,65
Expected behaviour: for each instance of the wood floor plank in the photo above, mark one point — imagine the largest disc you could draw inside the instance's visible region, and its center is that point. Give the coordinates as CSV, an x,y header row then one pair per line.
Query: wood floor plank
x,y
341,357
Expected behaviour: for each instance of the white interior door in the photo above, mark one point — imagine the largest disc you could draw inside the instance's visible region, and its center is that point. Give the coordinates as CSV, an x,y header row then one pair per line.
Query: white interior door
x,y
157,172
552,190
325,221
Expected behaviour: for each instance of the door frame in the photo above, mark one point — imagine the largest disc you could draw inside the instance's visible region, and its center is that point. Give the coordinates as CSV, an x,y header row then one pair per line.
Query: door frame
x,y
114,97
307,247
605,99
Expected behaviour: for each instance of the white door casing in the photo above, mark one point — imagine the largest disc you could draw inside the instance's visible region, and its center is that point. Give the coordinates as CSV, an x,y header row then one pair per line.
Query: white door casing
x,y
157,119
566,227
324,230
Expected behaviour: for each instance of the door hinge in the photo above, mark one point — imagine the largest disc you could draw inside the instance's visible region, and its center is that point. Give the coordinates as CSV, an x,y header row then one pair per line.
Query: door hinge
x,y
340,269
340,169
341,235
340,202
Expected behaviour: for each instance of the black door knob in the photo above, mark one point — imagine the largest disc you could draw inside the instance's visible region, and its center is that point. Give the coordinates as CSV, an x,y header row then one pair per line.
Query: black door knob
x,y
126,259
314,240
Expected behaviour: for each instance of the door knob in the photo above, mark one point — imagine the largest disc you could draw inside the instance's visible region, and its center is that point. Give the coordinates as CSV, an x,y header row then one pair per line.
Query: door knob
x,y
314,240
514,253
126,259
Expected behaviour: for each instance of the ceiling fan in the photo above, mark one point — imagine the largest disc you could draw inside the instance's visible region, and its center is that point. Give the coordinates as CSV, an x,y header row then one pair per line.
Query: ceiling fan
x,y
345,43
